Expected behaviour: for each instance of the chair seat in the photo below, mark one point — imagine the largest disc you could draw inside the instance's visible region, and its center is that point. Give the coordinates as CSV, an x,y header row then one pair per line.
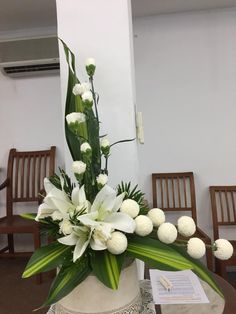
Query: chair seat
x,y
17,224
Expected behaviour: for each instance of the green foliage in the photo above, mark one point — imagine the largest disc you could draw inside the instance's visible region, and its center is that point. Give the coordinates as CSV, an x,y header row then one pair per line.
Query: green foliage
x,y
156,253
199,269
72,140
107,267
134,194
167,257
50,227
56,181
30,216
47,258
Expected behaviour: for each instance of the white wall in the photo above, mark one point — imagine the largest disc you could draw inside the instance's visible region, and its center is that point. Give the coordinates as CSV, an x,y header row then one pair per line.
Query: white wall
x,y
186,87
30,119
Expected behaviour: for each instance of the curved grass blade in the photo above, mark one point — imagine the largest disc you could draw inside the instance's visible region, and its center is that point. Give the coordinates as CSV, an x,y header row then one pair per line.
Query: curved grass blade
x,y
107,267
46,258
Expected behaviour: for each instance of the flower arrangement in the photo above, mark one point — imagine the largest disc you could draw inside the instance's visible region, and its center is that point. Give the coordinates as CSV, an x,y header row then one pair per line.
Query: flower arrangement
x,y
95,227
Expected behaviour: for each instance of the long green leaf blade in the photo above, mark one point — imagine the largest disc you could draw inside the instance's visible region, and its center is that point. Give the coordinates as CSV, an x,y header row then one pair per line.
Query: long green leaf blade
x,y
46,258
200,270
72,140
30,216
156,254
67,279
107,267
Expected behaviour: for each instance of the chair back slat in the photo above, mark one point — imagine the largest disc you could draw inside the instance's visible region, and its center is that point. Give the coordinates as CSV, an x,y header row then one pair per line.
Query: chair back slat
x,y
26,171
176,194
223,204
233,204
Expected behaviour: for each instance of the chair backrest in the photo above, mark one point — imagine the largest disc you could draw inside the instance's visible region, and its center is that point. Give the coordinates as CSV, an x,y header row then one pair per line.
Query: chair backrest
x,y
174,192
26,172
223,205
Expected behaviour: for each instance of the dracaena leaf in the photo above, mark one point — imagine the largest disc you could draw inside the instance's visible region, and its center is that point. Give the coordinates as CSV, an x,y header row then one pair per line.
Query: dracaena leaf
x,y
46,258
107,267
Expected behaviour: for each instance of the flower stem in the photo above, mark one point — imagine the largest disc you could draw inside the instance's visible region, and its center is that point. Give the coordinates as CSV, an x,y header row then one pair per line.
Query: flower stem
x,y
106,165
94,97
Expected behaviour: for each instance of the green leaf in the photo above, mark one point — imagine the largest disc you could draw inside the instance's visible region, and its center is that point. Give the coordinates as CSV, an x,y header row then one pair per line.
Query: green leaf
x,y
107,267
30,216
67,279
46,258
168,257
200,270
156,254
72,140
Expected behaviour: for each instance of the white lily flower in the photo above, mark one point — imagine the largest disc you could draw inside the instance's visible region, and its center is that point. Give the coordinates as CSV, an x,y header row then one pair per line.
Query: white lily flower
x,y
80,237
104,218
57,203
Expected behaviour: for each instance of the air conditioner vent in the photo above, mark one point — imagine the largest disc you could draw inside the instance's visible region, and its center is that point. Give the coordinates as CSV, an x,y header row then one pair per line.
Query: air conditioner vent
x,y
32,68
29,56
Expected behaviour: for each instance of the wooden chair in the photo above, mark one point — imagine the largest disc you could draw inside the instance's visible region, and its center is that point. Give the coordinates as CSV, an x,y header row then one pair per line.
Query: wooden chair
x,y
25,174
176,192
223,204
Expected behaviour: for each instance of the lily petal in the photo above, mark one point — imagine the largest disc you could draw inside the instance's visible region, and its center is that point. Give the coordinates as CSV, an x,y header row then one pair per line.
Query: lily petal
x,y
121,221
105,192
48,186
97,245
118,202
58,199
80,247
44,211
71,239
89,219
75,196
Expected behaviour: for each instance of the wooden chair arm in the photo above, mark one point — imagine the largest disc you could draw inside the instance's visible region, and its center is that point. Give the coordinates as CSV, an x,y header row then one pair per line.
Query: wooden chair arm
x,y
203,234
4,184
42,194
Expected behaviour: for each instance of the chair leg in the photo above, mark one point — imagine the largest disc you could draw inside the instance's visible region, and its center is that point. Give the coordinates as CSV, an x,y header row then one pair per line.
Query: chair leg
x,y
37,242
209,257
10,238
221,269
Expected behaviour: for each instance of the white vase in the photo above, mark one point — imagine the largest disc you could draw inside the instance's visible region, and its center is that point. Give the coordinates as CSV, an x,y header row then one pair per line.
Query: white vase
x,y
92,297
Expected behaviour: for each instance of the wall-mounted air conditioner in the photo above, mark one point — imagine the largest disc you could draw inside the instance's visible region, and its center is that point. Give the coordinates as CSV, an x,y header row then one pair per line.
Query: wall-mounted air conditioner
x,y
29,57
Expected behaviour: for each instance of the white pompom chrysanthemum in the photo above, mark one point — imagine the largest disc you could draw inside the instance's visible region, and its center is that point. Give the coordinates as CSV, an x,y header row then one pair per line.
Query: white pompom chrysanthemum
x,y
186,226
130,207
224,249
144,225
157,216
196,248
78,167
79,89
102,179
117,244
167,233
85,147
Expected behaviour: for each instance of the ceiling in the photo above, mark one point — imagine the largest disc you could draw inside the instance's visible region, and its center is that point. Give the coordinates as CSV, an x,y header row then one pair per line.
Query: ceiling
x,y
28,14
154,7
24,14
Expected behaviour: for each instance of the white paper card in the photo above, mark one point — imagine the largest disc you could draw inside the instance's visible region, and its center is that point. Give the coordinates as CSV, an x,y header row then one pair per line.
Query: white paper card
x,y
186,288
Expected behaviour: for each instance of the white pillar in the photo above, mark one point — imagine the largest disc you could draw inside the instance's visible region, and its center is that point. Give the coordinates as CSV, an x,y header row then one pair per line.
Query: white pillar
x,y
102,29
